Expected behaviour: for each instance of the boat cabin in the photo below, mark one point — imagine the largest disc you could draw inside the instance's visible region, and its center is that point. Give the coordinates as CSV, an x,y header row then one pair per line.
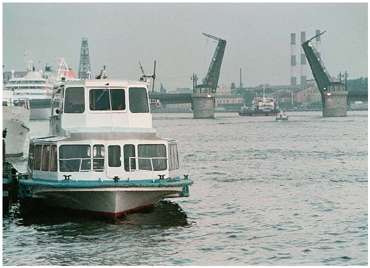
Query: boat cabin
x,y
134,158
97,104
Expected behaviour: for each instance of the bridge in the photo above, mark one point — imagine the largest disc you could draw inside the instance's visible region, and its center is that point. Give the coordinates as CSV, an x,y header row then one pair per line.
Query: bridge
x,y
333,94
203,97
360,95
171,98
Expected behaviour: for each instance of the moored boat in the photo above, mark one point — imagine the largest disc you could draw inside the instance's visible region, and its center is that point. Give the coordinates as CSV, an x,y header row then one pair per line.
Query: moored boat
x,y
16,117
103,156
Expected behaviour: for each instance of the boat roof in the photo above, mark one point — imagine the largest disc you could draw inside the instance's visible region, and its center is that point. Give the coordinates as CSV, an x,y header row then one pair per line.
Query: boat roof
x,y
103,134
50,139
106,135
106,82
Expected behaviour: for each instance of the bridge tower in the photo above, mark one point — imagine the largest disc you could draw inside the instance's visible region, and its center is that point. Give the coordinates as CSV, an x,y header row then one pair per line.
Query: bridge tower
x,y
203,97
333,94
84,71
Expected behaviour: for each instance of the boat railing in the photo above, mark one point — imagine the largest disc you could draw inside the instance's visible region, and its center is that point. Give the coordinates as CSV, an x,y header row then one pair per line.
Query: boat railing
x,y
147,163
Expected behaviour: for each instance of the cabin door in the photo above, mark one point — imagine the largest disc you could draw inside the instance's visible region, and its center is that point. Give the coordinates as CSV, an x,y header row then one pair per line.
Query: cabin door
x,y
115,163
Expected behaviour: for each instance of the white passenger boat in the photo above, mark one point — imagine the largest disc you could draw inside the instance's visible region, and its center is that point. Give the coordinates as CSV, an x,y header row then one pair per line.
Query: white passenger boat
x,y
16,117
103,156
37,89
281,117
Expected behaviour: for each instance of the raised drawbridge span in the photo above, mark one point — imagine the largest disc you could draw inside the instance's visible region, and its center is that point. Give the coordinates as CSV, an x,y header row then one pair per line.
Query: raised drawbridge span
x,y
333,93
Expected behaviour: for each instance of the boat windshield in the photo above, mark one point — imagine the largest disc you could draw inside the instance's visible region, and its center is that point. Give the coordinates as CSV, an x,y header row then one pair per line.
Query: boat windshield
x,y
105,99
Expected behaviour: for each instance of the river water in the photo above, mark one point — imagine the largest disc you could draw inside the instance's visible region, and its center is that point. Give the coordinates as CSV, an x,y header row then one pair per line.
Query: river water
x,y
264,193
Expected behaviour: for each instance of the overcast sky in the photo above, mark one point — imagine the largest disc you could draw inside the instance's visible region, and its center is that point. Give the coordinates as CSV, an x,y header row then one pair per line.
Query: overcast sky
x,y
121,34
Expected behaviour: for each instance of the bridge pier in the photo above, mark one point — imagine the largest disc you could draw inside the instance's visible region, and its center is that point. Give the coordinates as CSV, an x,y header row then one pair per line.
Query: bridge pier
x,y
203,105
335,104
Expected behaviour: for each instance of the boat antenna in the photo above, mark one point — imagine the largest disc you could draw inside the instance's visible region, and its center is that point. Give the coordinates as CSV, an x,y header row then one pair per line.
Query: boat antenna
x,y
144,76
103,74
142,71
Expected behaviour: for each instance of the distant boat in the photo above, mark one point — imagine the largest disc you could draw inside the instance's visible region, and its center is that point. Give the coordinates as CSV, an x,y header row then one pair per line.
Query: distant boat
x,y
37,89
359,106
261,106
281,117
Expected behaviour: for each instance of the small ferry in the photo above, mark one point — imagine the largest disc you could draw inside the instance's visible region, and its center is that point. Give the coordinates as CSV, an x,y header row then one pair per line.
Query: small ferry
x,y
103,155
281,117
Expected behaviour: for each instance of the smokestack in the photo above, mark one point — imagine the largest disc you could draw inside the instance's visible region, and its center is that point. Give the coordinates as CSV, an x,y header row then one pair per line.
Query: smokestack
x,y
293,59
240,79
303,62
318,43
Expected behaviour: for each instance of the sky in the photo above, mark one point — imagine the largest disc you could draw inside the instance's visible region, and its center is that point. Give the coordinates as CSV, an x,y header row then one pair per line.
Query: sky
x,y
122,34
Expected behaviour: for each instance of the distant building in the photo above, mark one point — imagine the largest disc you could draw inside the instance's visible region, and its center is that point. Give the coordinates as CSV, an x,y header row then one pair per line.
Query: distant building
x,y
229,102
308,95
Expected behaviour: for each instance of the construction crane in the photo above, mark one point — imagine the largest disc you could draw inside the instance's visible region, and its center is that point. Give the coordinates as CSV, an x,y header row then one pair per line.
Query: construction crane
x,y
210,82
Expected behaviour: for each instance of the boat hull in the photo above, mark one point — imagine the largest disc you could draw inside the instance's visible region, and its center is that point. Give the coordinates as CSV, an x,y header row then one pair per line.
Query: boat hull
x,y
16,122
109,202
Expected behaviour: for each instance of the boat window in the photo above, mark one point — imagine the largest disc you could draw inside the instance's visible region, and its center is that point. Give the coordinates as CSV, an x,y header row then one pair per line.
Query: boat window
x,y
152,157
129,157
118,99
37,159
99,99
45,158
173,156
138,100
114,155
74,100
74,158
53,158
98,157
